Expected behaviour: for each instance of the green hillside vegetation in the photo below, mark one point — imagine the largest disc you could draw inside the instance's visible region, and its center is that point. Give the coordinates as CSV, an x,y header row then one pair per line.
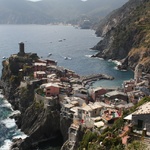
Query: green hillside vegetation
x,y
135,29
127,35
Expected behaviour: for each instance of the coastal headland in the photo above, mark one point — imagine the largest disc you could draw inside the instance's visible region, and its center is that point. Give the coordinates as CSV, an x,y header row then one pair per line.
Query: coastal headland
x,y
39,89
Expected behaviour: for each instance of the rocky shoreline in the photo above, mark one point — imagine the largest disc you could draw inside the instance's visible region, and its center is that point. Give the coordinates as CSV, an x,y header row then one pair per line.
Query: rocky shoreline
x,y
124,35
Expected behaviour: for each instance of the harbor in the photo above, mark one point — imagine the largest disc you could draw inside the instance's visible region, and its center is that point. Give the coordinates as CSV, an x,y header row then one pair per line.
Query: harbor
x,y
87,80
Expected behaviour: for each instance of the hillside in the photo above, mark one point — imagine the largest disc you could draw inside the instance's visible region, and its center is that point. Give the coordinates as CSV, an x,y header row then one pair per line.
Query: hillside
x,y
126,35
55,11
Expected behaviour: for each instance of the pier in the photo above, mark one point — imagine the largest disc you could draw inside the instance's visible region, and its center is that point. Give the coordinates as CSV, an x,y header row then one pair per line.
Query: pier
x,y
95,77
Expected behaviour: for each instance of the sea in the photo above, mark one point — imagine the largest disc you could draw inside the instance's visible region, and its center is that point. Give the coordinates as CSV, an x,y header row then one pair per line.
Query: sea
x,y
60,41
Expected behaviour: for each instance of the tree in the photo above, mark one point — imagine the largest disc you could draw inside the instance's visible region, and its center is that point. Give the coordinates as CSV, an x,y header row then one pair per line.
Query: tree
x,y
136,145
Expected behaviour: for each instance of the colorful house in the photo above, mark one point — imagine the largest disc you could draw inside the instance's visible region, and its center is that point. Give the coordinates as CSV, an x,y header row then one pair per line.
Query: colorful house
x,y
52,89
39,66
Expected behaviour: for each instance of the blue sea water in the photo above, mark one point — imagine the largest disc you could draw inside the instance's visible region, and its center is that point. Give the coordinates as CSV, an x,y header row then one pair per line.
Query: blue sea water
x,y
61,41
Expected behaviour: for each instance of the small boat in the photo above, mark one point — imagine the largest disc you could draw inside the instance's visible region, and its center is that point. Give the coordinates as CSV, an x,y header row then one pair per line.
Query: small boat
x,y
67,58
49,54
59,40
4,57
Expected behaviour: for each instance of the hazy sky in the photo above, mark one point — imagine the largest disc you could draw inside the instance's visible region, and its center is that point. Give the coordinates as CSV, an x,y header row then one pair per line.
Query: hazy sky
x,y
34,0
41,0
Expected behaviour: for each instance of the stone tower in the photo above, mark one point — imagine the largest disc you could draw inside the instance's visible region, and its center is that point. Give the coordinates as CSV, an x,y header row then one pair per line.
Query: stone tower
x,y
21,49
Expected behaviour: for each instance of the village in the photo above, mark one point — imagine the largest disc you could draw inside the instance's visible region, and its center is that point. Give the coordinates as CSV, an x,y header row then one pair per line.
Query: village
x,y
93,108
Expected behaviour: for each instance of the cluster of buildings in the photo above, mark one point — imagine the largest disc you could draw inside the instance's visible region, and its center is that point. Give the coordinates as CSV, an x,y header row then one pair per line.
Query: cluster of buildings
x,y
94,108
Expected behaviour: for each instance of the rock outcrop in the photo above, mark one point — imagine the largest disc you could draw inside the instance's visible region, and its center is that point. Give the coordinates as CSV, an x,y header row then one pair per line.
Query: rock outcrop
x,y
126,35
40,123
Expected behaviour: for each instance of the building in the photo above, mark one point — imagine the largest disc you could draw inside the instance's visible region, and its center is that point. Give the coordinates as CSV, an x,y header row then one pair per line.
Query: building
x,y
110,115
80,91
89,111
141,117
39,66
97,92
21,49
51,89
116,95
128,86
51,62
39,74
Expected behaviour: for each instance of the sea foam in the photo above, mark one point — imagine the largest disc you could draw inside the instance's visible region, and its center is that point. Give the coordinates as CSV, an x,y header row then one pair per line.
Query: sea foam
x,y
6,104
89,56
9,123
1,96
7,145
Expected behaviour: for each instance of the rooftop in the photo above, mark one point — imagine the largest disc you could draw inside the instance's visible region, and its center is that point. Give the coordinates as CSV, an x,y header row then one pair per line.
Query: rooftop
x,y
91,106
39,64
97,89
51,75
50,84
40,72
74,109
114,93
143,109
68,105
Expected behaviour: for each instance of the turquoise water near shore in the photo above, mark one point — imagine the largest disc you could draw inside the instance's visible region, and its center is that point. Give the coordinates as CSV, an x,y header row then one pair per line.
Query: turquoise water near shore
x,y
61,41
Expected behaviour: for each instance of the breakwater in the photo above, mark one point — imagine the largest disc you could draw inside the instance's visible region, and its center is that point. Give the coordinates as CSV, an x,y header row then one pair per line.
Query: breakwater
x,y
87,80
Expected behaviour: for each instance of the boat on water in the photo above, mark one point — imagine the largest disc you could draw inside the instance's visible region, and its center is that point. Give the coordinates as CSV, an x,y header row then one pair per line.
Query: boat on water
x,y
4,57
49,54
67,58
60,40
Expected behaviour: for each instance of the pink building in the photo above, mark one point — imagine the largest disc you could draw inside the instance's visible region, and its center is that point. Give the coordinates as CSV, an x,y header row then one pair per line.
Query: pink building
x,y
52,89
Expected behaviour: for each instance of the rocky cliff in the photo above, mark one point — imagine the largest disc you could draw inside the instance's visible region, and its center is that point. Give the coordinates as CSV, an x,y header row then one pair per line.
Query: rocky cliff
x,y
126,35
40,123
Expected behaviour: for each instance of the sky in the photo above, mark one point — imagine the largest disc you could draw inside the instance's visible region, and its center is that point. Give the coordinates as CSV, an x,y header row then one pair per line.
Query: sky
x,y
34,0
41,0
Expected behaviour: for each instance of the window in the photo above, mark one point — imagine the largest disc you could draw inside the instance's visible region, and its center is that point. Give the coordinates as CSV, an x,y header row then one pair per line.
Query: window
x,y
140,124
95,111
